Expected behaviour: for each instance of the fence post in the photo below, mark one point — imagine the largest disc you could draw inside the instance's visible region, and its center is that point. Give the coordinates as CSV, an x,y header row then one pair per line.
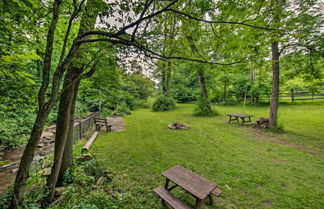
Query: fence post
x,y
292,95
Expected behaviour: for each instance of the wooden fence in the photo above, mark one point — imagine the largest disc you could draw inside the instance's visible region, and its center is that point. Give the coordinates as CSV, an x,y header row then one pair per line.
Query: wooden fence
x,y
294,95
80,128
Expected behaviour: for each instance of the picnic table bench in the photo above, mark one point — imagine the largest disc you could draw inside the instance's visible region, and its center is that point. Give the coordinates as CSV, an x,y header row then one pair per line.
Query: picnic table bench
x,y
239,115
197,186
101,122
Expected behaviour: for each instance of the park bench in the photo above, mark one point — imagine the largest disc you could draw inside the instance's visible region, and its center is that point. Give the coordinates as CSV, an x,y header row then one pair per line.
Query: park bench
x,y
197,186
101,122
239,115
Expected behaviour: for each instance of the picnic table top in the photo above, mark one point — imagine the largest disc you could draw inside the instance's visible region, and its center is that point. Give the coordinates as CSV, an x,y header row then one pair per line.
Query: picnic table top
x,y
190,181
240,115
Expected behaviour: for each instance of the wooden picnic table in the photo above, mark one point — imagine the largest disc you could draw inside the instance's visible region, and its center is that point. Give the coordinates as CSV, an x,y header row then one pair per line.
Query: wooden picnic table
x,y
197,186
239,115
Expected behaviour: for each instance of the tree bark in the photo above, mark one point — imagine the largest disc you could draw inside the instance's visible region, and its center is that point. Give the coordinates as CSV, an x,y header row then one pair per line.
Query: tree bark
x,y
274,103
67,161
168,79
62,128
202,84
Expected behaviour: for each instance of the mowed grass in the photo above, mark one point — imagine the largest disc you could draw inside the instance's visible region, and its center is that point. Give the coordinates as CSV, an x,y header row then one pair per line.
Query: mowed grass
x,y
252,170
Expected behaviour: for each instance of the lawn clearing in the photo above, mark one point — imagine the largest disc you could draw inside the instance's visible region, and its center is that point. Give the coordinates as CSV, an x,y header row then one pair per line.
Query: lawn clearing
x,y
252,169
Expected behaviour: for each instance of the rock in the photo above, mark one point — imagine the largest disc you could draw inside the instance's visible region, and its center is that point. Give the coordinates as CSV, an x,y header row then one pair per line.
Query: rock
x,y
101,180
84,157
37,158
14,170
59,191
45,152
178,126
46,171
40,145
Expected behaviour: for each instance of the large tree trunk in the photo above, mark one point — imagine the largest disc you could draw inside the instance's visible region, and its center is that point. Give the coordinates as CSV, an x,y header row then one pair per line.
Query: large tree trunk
x,y
202,84
274,103
168,79
27,158
62,128
42,115
67,161
163,79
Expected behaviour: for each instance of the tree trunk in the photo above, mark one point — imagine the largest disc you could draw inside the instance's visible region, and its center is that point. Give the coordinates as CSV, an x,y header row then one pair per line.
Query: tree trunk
x,y
274,104
62,129
202,84
163,79
225,90
27,158
67,161
42,115
168,79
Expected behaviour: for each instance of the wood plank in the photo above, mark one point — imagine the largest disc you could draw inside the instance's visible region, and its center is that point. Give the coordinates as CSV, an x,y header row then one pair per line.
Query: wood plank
x,y
217,192
170,199
190,181
240,115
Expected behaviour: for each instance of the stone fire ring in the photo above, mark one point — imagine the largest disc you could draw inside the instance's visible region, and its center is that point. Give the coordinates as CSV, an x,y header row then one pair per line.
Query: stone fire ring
x,y
178,126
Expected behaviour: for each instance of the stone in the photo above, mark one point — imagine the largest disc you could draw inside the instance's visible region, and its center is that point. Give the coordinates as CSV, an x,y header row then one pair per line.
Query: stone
x,y
101,180
178,126
59,191
84,157
46,171
40,145
14,170
38,158
45,152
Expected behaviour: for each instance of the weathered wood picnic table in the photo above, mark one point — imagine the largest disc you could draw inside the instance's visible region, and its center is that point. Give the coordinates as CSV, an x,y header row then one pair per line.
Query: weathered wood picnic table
x,y
239,115
196,185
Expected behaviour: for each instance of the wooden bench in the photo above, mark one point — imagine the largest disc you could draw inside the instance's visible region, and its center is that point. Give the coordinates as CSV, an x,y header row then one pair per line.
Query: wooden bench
x,y
239,115
170,199
101,122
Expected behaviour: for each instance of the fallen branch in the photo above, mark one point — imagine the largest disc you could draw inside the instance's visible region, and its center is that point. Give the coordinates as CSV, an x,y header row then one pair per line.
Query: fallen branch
x,y
91,141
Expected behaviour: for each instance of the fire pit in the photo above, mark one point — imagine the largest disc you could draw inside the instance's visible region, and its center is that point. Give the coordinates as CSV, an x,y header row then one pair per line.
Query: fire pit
x,y
178,126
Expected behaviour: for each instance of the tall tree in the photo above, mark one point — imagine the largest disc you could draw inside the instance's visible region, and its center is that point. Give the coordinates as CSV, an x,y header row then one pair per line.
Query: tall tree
x,y
274,103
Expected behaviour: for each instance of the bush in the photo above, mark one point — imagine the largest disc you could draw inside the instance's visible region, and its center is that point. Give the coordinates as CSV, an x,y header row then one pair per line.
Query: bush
x,y
163,103
204,108
123,109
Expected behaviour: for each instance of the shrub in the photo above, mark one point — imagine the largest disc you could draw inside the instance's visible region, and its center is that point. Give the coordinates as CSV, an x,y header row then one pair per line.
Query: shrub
x,y
123,109
163,103
204,108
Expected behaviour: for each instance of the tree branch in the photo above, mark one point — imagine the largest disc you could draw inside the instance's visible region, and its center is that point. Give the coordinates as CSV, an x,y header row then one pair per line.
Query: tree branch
x,y
218,22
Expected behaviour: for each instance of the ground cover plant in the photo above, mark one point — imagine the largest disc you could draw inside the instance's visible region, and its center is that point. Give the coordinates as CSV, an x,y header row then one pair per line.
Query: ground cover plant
x,y
254,169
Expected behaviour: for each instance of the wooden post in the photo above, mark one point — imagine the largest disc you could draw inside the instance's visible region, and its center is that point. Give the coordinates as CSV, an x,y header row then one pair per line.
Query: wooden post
x,y
292,95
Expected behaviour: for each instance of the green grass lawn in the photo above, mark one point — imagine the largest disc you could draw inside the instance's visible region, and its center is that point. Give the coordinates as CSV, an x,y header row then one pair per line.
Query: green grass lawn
x,y
250,166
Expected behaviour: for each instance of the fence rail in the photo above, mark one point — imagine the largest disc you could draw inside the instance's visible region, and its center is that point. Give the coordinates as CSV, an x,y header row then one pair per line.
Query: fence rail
x,y
295,95
292,96
80,128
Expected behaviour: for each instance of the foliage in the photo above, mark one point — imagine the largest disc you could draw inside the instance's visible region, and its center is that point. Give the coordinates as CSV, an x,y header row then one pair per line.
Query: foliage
x,y
163,103
84,192
204,108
